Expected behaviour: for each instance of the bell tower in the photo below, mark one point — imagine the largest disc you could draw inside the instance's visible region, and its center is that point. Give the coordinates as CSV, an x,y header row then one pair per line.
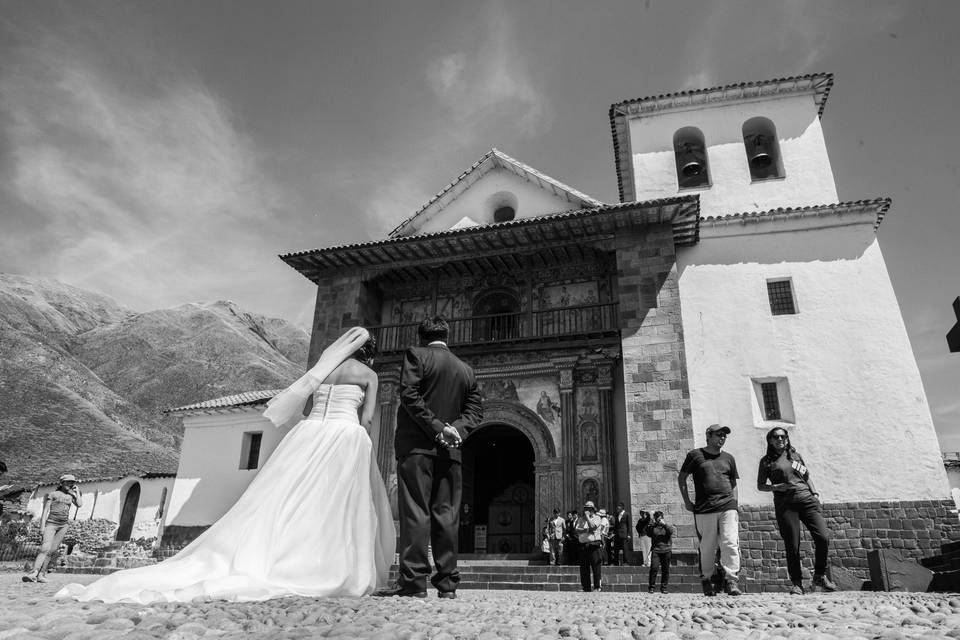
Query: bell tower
x,y
742,148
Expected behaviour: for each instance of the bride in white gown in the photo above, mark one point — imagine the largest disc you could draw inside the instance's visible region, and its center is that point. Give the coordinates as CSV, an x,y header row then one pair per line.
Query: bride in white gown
x,y
315,521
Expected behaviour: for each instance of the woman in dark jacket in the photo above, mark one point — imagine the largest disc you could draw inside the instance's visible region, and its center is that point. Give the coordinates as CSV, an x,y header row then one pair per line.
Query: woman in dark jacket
x,y
795,500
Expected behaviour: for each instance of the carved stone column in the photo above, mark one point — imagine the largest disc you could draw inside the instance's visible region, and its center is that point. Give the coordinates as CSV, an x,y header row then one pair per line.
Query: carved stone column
x,y
388,423
605,409
568,419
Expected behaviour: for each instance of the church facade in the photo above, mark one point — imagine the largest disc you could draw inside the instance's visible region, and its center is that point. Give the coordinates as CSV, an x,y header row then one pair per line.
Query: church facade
x,y
728,285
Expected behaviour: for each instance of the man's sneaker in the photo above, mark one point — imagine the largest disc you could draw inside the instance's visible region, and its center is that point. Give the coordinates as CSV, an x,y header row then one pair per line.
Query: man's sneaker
x,y
41,578
824,583
707,585
30,577
731,588
663,588
651,590
796,590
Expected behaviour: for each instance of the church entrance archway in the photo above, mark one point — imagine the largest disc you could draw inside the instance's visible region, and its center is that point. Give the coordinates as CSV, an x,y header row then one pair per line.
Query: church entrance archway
x,y
129,512
499,485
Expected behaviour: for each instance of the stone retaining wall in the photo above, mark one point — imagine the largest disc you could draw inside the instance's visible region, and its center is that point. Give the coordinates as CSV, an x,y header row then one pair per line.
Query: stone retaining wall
x,y
917,528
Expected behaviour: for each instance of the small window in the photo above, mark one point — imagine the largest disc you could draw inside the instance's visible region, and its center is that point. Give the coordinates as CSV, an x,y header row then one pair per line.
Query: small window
x,y
771,402
780,293
763,149
250,452
690,153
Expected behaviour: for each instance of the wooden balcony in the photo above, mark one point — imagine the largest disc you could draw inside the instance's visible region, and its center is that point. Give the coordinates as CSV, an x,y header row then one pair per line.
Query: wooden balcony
x,y
523,326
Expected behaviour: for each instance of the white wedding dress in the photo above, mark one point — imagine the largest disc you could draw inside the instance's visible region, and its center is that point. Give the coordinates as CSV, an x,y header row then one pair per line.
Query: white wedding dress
x,y
315,521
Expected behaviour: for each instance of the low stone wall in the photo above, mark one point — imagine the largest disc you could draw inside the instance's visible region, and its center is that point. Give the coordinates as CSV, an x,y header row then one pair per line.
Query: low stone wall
x,y
916,528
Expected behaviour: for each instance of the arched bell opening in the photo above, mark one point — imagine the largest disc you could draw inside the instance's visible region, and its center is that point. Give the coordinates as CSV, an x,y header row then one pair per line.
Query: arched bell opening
x,y
762,148
690,153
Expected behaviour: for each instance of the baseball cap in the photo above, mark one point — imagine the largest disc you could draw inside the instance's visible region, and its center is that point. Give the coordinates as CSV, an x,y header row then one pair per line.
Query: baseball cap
x,y
589,505
718,428
68,477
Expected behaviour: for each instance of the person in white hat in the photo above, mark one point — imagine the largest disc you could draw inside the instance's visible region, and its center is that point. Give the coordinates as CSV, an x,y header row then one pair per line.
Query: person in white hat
x,y
589,530
53,523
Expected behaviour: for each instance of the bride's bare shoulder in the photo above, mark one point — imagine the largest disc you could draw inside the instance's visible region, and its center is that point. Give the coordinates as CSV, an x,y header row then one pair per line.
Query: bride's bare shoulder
x,y
351,372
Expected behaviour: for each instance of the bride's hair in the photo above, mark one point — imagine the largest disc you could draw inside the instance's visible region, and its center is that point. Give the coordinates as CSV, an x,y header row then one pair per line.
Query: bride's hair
x,y
367,351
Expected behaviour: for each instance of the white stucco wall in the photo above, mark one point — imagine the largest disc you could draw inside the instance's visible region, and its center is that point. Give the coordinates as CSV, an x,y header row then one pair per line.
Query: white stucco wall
x,y
104,499
209,478
475,203
808,178
862,419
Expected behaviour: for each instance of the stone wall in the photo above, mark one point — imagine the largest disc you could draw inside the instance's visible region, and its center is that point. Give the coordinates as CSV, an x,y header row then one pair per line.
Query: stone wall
x,y
343,300
658,420
916,528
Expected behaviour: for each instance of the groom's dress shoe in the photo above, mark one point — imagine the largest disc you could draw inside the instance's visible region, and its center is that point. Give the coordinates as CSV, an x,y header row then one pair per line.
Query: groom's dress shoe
x,y
447,594
402,592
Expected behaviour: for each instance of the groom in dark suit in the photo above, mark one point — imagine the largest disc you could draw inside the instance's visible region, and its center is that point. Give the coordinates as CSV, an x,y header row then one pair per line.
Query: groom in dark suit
x,y
439,405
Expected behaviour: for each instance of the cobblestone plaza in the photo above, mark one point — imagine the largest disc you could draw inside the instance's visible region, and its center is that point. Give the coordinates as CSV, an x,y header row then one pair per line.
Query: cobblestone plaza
x,y
31,613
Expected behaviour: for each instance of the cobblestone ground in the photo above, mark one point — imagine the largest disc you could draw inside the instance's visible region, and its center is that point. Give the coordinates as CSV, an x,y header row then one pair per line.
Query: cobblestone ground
x,y
29,611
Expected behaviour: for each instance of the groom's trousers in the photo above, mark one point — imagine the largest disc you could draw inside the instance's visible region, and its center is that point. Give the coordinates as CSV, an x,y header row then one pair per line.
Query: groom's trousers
x,y
428,495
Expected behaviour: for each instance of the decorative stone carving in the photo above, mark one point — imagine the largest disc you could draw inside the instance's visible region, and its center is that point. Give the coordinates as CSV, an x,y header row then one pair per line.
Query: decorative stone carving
x,y
529,423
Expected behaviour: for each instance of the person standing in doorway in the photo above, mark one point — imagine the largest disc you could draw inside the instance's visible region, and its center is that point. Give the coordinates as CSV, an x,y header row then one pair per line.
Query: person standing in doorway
x,y
715,514
54,520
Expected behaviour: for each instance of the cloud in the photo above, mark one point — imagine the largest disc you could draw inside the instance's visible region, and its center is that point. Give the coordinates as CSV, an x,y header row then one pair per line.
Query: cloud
x,y
485,93
146,190
490,80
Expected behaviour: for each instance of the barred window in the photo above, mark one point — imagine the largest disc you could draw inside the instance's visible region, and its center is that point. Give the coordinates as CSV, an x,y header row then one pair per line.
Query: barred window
x,y
771,401
780,293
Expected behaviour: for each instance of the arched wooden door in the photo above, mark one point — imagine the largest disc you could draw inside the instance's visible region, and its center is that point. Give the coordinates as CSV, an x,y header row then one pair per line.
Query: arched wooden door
x,y
129,512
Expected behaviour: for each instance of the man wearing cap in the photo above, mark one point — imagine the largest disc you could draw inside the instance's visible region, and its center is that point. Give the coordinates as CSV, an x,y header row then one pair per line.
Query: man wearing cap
x,y
589,531
715,510
53,523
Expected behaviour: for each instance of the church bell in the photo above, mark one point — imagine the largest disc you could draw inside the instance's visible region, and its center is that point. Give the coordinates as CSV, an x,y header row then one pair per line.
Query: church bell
x,y
692,159
761,152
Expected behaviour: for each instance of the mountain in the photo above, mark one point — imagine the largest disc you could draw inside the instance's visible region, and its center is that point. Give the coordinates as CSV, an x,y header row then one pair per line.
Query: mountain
x,y
83,379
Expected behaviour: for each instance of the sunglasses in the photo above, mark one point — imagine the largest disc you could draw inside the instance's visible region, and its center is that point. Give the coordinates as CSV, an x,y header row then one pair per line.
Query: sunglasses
x,y
780,437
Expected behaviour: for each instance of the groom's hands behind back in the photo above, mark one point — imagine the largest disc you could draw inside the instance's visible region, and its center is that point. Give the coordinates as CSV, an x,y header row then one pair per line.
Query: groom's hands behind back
x,y
450,437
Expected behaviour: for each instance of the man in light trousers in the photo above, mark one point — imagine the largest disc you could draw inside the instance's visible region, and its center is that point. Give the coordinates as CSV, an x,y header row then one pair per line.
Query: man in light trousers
x,y
715,510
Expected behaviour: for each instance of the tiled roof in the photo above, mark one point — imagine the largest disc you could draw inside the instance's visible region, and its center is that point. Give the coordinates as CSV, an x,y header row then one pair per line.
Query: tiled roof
x,y
245,399
493,159
880,206
565,215
819,83
144,476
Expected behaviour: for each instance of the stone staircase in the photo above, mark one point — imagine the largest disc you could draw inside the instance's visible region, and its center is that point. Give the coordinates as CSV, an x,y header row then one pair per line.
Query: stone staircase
x,y
525,574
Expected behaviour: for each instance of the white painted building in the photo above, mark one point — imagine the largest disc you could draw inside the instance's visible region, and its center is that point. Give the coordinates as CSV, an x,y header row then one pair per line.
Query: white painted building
x,y
136,503
728,285
840,358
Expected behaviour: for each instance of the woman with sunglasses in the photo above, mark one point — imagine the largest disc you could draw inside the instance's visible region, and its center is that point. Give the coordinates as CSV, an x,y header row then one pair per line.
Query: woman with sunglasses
x,y
795,500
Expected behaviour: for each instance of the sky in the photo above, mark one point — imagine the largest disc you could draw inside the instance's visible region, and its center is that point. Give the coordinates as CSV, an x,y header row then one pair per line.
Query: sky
x,y
167,152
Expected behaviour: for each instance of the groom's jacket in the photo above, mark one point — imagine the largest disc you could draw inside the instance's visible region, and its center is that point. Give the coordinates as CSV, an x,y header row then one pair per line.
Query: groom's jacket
x,y
436,388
